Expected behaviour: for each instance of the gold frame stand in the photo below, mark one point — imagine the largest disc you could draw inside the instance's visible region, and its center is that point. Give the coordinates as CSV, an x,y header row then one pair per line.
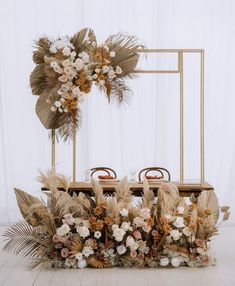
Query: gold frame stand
x,y
180,70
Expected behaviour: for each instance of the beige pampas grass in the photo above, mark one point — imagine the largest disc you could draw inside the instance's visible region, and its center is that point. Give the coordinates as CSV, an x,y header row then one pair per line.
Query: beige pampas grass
x,y
168,199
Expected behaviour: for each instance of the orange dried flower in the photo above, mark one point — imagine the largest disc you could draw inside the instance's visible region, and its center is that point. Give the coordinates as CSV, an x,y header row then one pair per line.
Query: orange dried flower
x,y
98,210
150,221
192,207
199,220
192,226
207,211
92,220
108,220
99,224
163,220
166,228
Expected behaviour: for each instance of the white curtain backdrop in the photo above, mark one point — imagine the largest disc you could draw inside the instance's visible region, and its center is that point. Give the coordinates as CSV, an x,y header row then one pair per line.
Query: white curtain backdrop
x,y
143,133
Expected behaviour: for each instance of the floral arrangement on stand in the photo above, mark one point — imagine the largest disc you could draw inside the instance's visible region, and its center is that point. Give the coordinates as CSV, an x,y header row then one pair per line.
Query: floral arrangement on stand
x,y
105,231
66,69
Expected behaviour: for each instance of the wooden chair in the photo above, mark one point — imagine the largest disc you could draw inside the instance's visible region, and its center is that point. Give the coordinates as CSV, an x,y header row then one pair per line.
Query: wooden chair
x,y
161,173
108,171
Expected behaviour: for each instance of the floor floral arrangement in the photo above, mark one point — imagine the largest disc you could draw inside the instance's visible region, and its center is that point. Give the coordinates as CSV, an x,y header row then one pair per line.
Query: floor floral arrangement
x,y
106,231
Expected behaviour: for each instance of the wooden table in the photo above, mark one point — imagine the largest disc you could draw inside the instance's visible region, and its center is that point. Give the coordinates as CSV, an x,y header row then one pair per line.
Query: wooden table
x,y
185,189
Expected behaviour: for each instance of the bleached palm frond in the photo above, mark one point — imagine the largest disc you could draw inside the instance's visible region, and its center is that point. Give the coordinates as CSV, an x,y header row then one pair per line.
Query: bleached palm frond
x,y
21,239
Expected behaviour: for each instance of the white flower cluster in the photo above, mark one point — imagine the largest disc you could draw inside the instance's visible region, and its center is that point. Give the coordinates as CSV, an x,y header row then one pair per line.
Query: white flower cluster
x,y
63,44
140,221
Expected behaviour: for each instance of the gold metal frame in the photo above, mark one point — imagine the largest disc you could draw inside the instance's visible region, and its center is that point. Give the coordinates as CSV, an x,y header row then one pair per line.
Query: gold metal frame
x,y
180,71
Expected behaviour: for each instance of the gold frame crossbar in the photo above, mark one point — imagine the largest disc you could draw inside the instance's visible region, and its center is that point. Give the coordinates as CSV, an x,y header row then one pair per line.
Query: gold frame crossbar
x,y
180,71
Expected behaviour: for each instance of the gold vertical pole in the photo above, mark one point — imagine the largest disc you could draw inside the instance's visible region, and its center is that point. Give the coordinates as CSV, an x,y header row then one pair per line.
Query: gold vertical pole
x,y
53,149
181,71
202,158
74,155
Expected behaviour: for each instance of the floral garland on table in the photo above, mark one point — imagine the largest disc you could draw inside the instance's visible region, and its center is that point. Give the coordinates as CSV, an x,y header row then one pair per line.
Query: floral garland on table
x,y
101,231
67,68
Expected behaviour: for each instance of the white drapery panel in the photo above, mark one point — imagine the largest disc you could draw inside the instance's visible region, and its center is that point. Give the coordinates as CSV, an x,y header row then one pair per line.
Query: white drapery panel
x,y
143,133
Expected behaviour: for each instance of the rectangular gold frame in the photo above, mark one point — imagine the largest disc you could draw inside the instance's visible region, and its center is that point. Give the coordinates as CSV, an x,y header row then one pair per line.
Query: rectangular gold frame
x,y
180,71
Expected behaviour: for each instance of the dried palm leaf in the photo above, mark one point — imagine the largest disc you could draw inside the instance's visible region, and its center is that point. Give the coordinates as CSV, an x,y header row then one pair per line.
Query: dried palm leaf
x,y
76,246
208,200
96,262
42,47
21,239
126,49
148,196
78,40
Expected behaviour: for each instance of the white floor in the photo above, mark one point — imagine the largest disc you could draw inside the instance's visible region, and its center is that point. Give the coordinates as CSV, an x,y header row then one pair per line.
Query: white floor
x,y
13,271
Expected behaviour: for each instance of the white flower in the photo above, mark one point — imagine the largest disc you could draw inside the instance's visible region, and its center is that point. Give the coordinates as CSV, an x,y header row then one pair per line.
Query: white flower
x,y
82,263
53,49
145,213
175,234
112,54
66,51
97,234
87,251
57,103
68,218
95,76
76,90
106,48
124,212
83,231
68,70
63,78
78,256
54,64
60,110
111,74
179,222
130,241
73,55
66,63
168,239
85,57
164,261
121,249
78,64
58,70
114,227
53,108
105,69
126,226
101,82
93,44
64,229
146,228
180,210
97,70
118,70
118,234
187,231
175,261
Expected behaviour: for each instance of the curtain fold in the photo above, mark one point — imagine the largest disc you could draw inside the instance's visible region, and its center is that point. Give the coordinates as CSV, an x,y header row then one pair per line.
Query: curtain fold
x,y
143,133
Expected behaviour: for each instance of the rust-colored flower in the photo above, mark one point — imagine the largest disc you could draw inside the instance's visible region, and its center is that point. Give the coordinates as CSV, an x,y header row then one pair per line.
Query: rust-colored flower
x,y
150,221
108,220
92,220
163,220
200,220
192,226
166,228
98,210
99,224
192,207
207,211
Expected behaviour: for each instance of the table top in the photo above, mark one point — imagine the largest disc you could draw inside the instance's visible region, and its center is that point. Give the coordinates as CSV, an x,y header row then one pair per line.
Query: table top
x,y
185,188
